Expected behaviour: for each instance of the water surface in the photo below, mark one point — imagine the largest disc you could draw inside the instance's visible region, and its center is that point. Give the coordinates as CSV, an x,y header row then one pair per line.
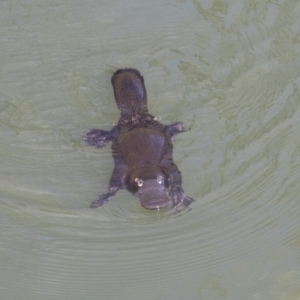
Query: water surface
x,y
230,71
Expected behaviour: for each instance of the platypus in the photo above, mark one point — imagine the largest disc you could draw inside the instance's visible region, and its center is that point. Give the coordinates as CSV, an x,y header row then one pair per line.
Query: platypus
x,y
141,147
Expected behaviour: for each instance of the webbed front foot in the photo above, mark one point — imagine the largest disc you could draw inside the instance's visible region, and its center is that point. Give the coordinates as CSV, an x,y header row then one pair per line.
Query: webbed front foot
x,y
104,198
179,200
184,203
97,137
101,201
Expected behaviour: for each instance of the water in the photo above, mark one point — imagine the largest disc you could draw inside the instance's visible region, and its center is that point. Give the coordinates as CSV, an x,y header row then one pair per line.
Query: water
x,y
230,71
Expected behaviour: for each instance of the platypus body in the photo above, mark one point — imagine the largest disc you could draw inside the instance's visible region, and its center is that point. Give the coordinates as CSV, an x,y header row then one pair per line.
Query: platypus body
x,y
141,147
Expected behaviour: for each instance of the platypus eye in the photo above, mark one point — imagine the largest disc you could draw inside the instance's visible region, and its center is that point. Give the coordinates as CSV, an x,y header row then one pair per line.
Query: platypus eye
x,y
139,182
160,179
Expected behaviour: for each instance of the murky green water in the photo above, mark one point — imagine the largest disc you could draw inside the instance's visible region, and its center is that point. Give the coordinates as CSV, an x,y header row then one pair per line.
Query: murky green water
x,y
230,70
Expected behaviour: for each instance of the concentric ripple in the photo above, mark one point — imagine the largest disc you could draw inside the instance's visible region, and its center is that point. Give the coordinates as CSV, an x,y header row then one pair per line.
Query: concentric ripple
x,y
229,71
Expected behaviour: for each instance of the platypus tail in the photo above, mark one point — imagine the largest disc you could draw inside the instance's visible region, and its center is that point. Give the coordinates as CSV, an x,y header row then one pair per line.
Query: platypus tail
x,y
130,91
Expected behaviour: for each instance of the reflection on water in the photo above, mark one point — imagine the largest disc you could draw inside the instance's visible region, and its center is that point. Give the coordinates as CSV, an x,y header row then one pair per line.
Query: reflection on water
x,y
230,71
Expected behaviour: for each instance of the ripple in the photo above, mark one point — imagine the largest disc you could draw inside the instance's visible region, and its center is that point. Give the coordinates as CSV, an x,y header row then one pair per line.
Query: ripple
x,y
228,76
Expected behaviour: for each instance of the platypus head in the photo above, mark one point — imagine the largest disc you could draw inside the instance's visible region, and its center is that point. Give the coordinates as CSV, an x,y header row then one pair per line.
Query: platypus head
x,y
150,185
